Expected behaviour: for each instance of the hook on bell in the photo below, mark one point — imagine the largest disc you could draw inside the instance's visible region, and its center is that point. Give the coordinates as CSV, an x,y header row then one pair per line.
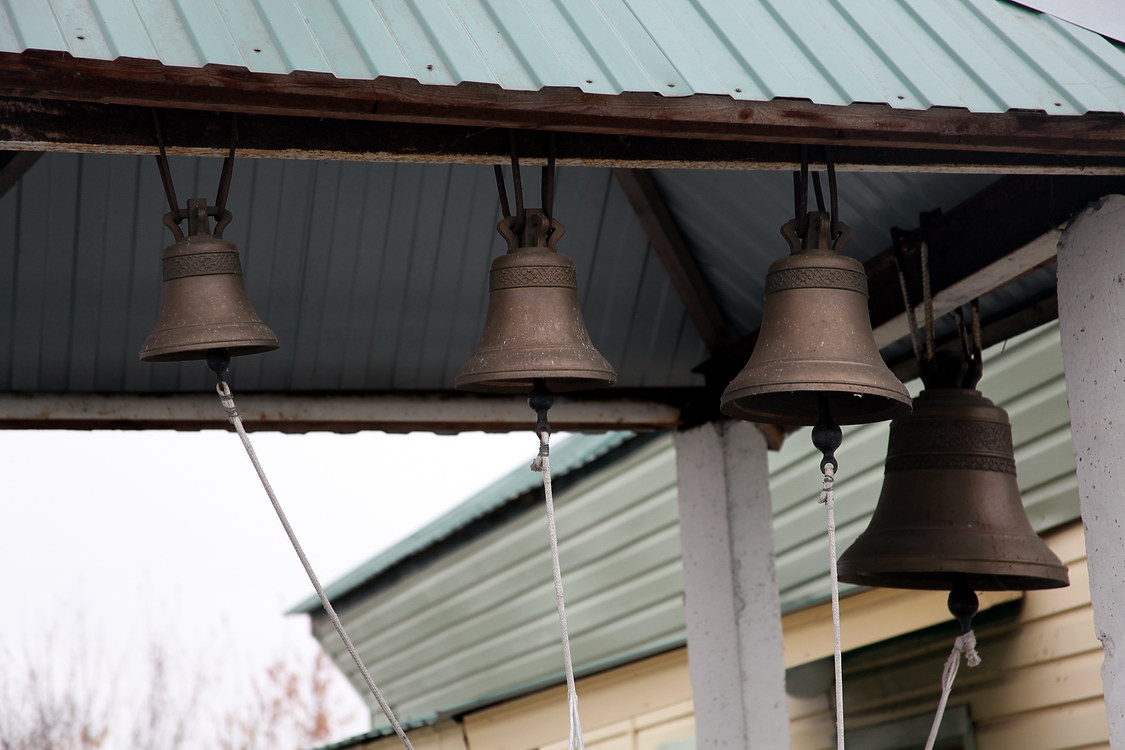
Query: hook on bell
x,y
534,329
816,344
204,305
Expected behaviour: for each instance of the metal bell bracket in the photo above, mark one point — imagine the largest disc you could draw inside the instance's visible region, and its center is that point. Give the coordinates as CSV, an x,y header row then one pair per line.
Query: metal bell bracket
x,y
805,231
198,210
528,227
198,214
538,230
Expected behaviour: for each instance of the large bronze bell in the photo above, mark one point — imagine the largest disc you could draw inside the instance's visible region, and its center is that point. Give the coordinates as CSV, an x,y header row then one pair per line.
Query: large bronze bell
x,y
815,343
205,306
950,512
534,329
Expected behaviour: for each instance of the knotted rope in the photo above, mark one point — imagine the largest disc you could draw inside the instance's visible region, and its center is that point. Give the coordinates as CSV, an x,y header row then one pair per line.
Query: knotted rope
x,y
827,498
965,644
232,414
542,463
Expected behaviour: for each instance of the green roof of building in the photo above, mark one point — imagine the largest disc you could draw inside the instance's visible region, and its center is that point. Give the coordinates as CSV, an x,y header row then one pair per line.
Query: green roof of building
x,y
567,455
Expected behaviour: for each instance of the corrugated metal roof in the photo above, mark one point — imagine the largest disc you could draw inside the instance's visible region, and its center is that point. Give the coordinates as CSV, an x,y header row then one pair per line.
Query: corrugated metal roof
x,y
374,276
981,55
567,455
480,619
733,221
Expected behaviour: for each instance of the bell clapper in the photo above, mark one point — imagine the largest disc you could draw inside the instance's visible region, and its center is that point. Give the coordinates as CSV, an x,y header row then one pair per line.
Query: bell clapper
x,y
218,361
826,434
541,400
963,604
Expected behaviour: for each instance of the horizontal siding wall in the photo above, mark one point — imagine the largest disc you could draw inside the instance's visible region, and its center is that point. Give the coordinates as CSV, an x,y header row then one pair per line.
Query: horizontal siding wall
x,y
481,619
1038,686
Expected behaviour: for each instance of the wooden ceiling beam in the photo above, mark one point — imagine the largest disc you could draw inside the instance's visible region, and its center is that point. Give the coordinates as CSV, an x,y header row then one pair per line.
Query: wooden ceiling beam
x,y
666,239
1001,233
443,412
13,166
69,126
57,76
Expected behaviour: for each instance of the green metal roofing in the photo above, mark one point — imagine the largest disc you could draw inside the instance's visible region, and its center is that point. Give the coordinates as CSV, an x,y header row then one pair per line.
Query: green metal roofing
x,y
980,55
569,454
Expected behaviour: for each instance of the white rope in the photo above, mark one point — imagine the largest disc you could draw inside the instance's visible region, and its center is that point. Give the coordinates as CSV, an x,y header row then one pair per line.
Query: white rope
x,y
232,413
542,463
965,644
828,499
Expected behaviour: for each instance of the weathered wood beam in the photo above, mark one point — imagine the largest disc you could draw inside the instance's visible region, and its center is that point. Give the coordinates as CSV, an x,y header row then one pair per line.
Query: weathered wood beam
x,y
41,125
13,166
283,412
666,239
996,236
58,76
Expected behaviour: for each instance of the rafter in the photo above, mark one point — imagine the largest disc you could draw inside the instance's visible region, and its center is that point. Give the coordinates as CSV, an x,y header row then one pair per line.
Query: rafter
x,y
668,242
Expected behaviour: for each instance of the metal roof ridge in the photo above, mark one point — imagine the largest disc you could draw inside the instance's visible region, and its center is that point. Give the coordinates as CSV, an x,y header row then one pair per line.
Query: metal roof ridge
x,y
572,453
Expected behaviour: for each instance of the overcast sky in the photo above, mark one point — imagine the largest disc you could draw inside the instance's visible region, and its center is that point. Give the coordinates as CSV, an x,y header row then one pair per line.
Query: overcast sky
x,y
130,536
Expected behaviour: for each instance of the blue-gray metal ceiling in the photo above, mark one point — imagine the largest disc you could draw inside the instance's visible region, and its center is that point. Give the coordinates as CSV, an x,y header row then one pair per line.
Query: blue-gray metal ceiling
x,y
980,55
374,276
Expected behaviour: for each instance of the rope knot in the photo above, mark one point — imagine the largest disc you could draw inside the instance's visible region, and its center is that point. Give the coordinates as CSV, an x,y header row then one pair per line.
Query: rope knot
x,y
227,400
829,483
539,461
967,645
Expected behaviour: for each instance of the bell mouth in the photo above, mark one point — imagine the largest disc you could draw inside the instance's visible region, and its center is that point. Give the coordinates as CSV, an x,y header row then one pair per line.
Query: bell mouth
x,y
159,347
523,382
1036,576
858,405
180,354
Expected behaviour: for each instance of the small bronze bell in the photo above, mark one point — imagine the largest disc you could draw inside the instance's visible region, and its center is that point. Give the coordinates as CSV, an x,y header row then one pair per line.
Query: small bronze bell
x,y
205,306
534,328
950,512
815,341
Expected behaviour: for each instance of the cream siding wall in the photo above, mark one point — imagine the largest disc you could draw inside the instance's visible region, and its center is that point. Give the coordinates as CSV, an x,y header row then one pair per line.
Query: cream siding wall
x,y
1037,688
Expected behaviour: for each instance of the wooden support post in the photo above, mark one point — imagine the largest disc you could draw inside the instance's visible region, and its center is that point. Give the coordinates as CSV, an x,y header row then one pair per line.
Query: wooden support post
x,y
1091,309
732,606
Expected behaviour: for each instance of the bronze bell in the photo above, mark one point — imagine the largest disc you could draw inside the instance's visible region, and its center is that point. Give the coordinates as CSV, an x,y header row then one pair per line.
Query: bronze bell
x,y
205,306
815,341
950,512
534,328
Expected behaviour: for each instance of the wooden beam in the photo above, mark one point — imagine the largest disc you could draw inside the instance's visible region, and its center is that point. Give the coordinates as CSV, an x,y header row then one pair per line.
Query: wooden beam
x,y
668,242
284,412
999,234
58,76
34,125
13,166
982,280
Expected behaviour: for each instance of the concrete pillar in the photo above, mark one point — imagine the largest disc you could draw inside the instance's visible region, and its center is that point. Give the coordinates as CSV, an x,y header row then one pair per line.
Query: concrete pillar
x,y
1091,290
732,606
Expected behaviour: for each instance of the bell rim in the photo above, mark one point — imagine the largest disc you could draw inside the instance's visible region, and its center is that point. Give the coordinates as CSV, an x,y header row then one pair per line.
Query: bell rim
x,y
900,574
195,352
520,381
896,404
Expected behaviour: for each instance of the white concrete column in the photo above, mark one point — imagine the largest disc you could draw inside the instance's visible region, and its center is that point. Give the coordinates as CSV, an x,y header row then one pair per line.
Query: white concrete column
x,y
1092,318
732,605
